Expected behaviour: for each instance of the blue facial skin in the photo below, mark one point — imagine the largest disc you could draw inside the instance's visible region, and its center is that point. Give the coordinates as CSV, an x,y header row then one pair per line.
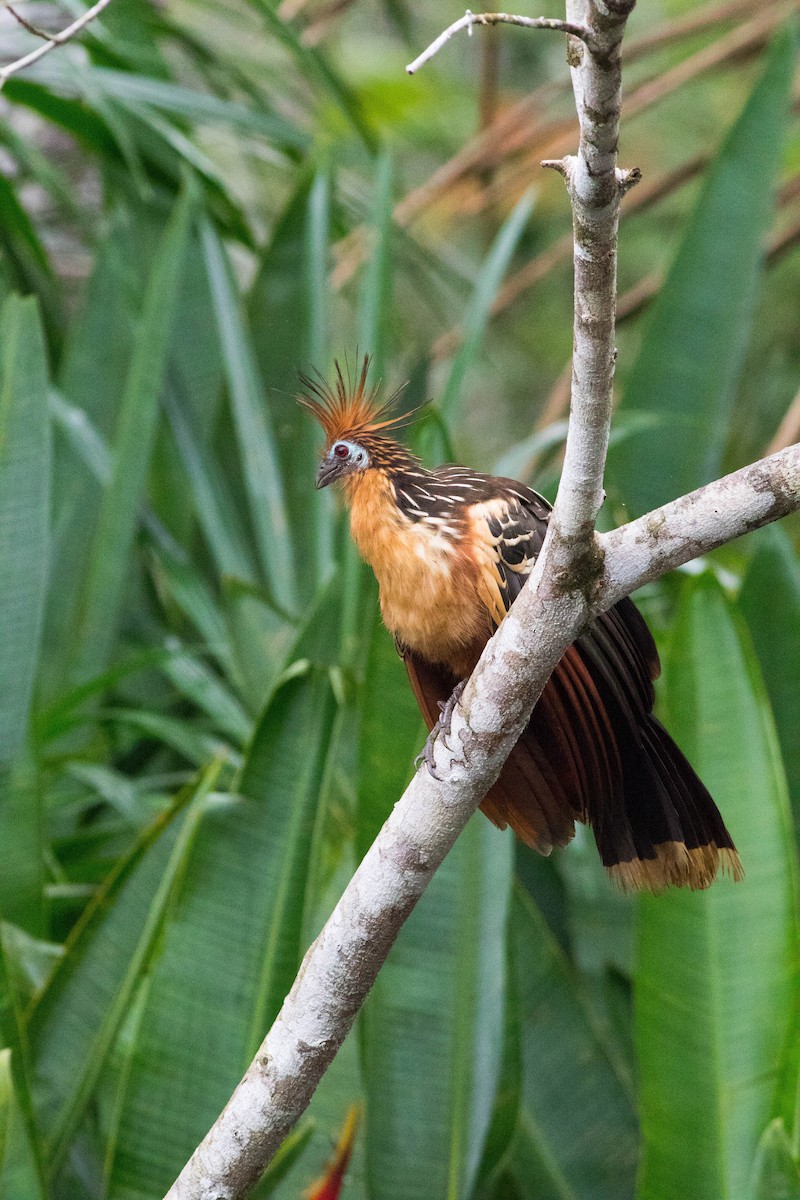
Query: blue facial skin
x,y
341,459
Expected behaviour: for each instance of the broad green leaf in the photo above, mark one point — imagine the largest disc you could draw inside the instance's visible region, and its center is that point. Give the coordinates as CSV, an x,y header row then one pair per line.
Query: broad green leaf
x,y
770,602
28,262
314,66
318,231
199,683
167,151
216,509
392,732
28,960
319,505
717,971
15,947
506,1111
191,742
21,848
230,947
194,381
107,316
289,293
34,163
24,516
136,426
476,316
776,1174
85,411
434,1028
25,462
19,1175
577,1137
66,712
133,141
116,789
256,440
89,445
687,368
181,583
199,107
77,119
261,639
73,1024
375,293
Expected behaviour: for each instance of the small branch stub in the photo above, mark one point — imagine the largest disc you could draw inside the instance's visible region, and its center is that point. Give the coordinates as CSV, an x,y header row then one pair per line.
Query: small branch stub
x,y
626,179
34,29
562,165
470,20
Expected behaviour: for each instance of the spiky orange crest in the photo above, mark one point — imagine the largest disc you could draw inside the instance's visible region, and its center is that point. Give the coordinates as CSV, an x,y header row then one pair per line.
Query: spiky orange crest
x,y
350,409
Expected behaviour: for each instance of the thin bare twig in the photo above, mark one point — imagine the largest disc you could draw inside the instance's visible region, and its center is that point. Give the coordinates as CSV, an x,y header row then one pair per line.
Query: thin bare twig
x,y
470,20
53,40
521,124
546,141
34,29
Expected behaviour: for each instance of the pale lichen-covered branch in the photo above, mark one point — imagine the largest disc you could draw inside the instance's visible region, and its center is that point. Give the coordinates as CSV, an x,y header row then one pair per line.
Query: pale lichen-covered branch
x,y
699,522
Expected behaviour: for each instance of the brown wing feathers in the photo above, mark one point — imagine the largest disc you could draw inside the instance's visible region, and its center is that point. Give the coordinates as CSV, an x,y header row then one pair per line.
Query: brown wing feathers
x,y
592,751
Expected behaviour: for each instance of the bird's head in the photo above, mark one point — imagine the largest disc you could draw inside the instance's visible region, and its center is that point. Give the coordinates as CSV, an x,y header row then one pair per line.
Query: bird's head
x,y
342,458
355,423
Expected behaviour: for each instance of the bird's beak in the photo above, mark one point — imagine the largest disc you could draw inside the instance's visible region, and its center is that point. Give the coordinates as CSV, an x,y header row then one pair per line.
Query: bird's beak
x,y
326,473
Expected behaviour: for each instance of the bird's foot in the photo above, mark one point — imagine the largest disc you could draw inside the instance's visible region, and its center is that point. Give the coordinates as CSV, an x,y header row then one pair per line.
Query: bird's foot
x,y
442,727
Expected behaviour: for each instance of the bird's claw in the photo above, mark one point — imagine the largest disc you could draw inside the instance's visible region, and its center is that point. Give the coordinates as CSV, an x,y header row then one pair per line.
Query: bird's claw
x,y
442,727
426,754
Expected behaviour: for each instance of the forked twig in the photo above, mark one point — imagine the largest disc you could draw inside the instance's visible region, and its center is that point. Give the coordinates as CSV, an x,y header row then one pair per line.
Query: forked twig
x,y
470,20
53,39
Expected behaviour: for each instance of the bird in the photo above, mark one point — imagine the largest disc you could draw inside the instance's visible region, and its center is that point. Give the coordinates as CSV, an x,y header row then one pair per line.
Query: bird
x,y
451,549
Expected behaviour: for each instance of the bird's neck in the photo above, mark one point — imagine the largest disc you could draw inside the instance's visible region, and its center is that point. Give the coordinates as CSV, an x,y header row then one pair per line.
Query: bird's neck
x,y
374,514
371,494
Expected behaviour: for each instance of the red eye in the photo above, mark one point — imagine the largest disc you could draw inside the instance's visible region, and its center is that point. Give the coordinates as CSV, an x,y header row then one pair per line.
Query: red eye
x,y
340,450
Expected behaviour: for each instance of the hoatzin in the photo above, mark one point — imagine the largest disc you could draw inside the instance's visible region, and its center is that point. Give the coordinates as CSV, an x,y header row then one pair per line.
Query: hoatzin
x,y
451,550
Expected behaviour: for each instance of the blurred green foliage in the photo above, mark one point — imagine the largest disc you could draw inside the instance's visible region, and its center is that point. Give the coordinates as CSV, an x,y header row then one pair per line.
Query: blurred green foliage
x,y
203,723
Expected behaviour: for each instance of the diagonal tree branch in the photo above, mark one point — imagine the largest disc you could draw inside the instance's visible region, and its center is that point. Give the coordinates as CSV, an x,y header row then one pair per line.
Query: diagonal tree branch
x,y
577,575
698,523
53,40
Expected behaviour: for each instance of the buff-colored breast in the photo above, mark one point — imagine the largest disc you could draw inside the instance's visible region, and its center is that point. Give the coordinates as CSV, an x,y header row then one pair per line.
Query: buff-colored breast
x,y
428,585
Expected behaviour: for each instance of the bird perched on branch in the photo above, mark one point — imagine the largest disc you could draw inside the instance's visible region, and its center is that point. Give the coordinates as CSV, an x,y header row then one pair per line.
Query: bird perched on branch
x,y
451,550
